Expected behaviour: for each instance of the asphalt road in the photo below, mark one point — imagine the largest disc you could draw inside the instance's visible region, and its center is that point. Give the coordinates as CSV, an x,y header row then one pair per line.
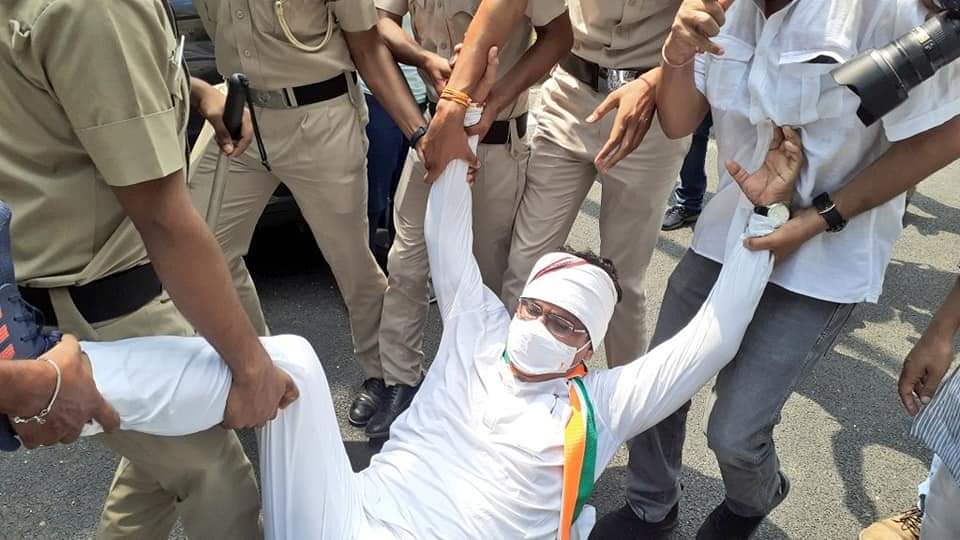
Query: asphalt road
x,y
843,439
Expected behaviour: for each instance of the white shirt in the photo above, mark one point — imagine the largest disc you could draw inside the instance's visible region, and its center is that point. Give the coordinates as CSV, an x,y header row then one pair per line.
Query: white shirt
x,y
766,77
479,454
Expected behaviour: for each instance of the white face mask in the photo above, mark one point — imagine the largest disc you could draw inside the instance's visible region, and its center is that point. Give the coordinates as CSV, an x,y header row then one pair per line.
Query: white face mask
x,y
534,351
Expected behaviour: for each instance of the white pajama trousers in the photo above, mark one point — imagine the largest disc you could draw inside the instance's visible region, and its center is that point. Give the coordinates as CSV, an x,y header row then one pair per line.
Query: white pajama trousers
x,y
175,386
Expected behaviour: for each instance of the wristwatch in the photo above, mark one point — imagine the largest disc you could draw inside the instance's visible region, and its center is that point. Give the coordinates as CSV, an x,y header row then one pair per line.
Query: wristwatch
x,y
416,136
828,211
779,213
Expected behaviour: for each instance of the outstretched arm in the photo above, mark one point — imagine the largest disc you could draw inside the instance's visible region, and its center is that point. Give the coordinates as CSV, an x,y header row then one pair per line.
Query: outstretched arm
x,y
448,227
638,395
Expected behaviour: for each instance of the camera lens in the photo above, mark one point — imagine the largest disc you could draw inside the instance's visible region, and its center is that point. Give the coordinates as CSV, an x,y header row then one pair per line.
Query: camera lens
x,y
884,77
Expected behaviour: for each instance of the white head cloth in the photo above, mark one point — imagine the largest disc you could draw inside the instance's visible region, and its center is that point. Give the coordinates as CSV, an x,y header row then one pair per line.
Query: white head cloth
x,y
583,289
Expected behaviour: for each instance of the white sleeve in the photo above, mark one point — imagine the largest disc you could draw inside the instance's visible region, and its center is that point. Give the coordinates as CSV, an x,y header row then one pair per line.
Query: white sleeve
x,y
637,396
933,102
448,231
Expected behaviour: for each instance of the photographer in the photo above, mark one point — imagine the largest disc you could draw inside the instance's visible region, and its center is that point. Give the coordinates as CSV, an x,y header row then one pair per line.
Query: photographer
x,y
768,65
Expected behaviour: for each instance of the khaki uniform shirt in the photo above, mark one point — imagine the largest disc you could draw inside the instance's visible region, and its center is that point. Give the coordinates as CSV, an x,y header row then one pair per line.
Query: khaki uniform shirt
x,y
93,98
252,37
621,34
439,25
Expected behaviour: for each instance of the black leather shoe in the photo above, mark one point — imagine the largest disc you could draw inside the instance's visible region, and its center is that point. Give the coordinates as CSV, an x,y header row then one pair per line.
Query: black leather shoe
x,y
723,524
396,399
625,524
367,402
677,216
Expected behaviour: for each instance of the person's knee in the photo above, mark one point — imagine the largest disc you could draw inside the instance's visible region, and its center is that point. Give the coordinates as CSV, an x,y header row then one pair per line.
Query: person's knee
x,y
736,446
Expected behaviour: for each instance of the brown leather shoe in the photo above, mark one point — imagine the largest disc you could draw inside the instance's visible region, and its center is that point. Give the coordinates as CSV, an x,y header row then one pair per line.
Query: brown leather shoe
x,y
903,526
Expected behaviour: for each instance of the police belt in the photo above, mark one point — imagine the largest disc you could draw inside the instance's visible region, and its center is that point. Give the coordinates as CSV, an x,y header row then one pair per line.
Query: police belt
x,y
601,79
499,132
299,96
107,298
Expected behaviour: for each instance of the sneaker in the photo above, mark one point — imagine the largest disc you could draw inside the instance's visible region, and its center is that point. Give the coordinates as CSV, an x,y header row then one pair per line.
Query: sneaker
x,y
724,524
903,526
678,216
396,399
626,524
21,325
367,402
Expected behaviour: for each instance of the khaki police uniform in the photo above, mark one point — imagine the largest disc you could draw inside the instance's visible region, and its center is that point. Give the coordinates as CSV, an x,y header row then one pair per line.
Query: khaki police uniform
x,y
317,149
623,35
95,99
438,26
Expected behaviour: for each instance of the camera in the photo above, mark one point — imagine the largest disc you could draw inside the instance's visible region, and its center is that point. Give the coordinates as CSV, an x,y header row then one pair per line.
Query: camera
x,y
883,77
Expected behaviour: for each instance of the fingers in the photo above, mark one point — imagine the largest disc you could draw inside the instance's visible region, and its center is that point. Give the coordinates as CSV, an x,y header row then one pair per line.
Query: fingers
x,y
290,394
489,78
762,243
631,140
246,135
717,10
792,143
738,173
905,387
107,417
611,102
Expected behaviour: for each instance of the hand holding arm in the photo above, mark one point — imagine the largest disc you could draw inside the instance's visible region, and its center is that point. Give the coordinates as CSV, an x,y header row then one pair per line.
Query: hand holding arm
x,y
902,166
30,384
446,139
192,269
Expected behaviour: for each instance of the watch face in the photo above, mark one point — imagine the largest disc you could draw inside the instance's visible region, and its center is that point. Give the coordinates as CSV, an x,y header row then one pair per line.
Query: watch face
x,y
778,213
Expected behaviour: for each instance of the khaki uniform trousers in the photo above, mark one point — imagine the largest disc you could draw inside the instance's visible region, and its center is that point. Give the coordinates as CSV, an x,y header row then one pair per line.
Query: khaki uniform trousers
x,y
204,478
319,152
496,196
635,192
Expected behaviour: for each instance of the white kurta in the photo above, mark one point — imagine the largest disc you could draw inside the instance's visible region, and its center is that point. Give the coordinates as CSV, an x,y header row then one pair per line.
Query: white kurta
x,y
478,454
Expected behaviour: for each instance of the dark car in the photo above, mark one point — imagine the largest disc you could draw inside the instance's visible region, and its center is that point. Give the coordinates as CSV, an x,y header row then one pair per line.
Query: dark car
x,y
198,53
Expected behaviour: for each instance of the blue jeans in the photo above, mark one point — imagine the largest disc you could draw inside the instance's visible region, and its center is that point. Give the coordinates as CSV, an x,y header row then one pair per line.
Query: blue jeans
x,y
693,177
385,157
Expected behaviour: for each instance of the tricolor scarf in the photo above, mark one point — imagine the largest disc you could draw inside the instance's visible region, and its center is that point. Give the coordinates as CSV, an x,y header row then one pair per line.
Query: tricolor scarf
x,y
579,451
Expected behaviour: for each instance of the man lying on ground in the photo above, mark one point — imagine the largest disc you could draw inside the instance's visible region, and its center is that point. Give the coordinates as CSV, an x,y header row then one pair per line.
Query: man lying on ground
x,y
509,431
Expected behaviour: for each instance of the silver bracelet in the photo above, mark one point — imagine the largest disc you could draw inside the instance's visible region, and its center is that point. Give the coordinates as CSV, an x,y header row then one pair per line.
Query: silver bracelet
x,y
41,417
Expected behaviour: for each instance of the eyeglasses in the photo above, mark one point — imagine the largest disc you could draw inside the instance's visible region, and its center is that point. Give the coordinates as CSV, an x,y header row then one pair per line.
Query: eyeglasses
x,y
557,325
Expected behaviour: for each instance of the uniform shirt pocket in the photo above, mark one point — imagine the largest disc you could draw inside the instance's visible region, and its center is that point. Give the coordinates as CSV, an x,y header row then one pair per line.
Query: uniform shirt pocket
x,y
726,82
307,20
805,90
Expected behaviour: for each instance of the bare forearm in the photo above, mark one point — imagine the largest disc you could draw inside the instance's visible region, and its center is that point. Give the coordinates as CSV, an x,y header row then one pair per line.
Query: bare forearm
x,y
404,48
491,27
902,166
947,318
553,41
192,269
680,106
380,71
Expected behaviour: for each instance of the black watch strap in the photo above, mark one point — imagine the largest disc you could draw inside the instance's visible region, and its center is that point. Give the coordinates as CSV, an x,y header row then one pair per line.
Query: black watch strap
x,y
416,136
828,211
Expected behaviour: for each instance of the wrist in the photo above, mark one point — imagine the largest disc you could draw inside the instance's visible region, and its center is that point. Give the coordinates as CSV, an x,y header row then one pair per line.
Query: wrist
x,y
674,59
38,379
252,369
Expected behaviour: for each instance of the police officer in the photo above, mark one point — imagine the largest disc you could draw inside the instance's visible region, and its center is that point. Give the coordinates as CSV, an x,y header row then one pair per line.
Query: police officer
x,y
92,165
301,58
503,153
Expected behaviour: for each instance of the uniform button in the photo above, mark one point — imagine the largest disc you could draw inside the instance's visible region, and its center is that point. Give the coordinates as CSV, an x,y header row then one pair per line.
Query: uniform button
x,y
246,52
443,46
240,14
